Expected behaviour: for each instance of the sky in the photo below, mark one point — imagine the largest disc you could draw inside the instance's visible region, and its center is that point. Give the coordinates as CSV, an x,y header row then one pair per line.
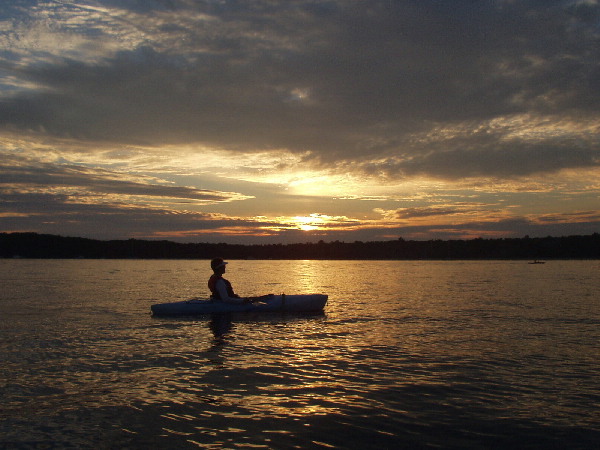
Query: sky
x,y
265,121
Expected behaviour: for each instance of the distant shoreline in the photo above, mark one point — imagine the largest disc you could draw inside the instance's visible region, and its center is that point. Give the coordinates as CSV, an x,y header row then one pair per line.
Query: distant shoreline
x,y
46,246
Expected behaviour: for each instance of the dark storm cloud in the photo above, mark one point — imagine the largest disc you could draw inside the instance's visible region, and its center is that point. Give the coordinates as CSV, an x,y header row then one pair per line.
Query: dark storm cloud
x,y
17,175
348,82
56,214
485,151
430,211
511,227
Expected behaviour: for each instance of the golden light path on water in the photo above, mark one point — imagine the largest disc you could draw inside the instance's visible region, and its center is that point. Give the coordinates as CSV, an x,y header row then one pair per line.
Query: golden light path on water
x,y
439,351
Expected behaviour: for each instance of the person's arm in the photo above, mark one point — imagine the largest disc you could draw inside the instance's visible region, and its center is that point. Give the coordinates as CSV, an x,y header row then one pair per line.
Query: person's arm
x,y
222,290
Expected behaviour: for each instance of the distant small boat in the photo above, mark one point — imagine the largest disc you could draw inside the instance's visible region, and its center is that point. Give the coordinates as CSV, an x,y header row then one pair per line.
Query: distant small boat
x,y
537,262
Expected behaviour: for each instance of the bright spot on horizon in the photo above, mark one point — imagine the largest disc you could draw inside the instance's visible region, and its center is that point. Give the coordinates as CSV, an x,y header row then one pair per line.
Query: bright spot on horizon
x,y
296,121
309,223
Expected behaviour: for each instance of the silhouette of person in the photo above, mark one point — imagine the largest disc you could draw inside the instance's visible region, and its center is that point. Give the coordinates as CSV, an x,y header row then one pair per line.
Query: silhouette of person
x,y
220,288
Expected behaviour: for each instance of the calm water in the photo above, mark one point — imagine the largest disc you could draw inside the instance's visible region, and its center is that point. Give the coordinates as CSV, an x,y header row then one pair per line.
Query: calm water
x,y
407,355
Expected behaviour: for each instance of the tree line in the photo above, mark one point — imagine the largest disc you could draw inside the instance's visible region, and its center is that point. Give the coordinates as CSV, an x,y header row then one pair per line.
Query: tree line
x,y
34,245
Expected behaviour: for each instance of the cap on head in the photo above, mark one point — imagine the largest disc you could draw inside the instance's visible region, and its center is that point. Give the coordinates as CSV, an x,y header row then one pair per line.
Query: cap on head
x,y
217,263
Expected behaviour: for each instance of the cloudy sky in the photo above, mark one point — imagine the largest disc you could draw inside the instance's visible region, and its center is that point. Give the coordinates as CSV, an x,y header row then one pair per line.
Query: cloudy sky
x,y
266,121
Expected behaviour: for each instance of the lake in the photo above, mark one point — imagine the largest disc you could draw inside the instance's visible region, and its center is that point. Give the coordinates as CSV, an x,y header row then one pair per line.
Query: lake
x,y
408,354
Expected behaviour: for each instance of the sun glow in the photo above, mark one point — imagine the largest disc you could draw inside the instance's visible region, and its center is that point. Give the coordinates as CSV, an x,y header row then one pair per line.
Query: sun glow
x,y
309,223
312,222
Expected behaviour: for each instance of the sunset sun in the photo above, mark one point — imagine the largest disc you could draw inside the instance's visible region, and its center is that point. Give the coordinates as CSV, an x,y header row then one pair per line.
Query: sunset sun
x,y
307,120
300,224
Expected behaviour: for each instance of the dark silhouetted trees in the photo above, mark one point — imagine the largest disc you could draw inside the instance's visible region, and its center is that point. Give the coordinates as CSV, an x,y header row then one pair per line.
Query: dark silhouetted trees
x,y
33,245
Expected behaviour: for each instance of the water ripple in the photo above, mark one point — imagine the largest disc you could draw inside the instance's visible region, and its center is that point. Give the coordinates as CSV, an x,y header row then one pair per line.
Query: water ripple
x,y
455,355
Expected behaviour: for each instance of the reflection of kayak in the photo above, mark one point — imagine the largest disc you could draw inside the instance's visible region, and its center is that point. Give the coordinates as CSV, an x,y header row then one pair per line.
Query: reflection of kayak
x,y
268,303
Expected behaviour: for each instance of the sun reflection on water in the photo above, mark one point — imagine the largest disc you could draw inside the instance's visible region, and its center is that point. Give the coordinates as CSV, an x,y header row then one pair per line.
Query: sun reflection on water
x,y
400,345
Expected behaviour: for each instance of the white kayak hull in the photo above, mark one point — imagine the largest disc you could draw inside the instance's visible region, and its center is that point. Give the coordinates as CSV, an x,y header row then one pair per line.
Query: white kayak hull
x,y
271,303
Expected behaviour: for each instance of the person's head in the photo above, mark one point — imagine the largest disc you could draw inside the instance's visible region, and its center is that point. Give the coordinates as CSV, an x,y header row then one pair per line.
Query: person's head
x,y
218,265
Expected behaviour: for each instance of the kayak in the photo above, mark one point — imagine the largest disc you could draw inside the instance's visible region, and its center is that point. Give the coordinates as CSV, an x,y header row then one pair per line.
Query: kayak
x,y
267,303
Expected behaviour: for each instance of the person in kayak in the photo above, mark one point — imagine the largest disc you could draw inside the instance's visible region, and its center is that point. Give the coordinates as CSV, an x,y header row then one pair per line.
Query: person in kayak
x,y
221,289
